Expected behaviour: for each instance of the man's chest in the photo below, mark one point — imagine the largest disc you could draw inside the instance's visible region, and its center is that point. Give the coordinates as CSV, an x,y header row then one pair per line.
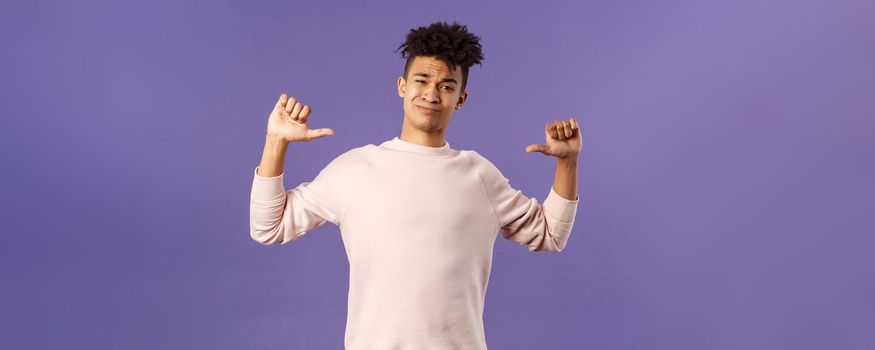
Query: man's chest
x,y
426,197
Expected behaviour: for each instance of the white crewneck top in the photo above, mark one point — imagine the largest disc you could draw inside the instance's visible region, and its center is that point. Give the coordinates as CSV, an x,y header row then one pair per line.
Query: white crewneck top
x,y
418,225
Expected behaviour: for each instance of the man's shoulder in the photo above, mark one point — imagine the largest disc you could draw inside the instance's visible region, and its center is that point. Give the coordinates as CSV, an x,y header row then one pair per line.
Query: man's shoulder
x,y
356,156
359,151
474,155
481,164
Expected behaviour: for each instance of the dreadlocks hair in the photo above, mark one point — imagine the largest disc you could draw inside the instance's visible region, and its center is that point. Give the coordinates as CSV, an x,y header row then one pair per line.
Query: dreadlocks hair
x,y
450,43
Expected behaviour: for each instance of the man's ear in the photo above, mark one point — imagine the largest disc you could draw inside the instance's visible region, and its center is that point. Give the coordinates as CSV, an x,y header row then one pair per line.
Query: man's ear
x,y
462,97
401,85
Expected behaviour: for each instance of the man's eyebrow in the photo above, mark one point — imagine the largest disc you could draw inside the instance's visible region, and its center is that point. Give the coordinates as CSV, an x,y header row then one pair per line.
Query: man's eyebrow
x,y
451,80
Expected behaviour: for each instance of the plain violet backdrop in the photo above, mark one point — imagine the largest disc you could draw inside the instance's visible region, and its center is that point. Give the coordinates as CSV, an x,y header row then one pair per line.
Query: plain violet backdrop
x,y
726,177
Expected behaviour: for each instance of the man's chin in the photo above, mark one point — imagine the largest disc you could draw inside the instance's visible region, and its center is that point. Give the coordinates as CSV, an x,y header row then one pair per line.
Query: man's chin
x,y
426,123
428,127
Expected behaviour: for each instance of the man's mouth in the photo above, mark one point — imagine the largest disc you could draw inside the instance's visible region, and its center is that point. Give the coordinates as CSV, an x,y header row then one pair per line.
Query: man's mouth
x,y
427,110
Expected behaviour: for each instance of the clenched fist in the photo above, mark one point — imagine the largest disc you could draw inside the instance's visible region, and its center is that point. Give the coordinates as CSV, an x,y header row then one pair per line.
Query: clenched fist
x,y
288,121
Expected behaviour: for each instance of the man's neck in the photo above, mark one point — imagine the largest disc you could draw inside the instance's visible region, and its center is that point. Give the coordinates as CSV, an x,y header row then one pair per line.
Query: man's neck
x,y
418,137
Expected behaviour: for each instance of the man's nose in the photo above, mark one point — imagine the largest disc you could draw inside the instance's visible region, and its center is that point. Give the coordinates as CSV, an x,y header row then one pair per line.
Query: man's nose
x,y
431,95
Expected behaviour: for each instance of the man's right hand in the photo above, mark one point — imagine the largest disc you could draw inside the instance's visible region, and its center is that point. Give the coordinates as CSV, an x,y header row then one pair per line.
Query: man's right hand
x,y
288,122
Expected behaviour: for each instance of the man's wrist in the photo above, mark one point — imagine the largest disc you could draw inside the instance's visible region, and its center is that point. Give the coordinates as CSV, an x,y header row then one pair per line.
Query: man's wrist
x,y
275,146
568,161
275,140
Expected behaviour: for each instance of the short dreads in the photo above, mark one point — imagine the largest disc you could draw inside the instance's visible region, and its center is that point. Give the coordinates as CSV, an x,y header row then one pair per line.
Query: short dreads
x,y
450,43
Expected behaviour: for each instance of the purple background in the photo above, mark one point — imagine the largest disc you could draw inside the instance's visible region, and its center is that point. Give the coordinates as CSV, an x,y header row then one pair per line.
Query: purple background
x,y
726,177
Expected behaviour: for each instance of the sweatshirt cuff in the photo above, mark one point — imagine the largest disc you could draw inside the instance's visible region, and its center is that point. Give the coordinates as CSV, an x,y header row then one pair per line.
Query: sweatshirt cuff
x,y
560,208
267,188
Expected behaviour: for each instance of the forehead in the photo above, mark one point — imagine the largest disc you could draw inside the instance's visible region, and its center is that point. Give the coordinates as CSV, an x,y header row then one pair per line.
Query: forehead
x,y
434,67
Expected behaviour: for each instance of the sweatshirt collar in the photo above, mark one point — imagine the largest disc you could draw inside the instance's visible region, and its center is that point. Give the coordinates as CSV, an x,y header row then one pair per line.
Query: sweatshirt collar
x,y
401,145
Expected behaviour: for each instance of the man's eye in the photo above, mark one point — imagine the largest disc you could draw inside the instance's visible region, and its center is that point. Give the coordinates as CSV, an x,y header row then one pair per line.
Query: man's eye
x,y
420,81
449,88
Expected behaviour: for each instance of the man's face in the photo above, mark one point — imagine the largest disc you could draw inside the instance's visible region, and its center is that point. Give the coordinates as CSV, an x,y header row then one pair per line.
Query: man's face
x,y
431,93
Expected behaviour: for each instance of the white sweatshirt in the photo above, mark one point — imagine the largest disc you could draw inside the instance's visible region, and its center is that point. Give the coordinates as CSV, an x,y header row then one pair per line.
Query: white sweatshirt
x,y
418,224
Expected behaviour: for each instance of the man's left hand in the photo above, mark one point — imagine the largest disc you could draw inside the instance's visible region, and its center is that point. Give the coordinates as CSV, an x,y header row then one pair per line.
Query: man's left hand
x,y
563,140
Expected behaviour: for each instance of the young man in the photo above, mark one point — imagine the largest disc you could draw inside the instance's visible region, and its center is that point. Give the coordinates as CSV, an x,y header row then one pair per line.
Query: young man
x,y
418,218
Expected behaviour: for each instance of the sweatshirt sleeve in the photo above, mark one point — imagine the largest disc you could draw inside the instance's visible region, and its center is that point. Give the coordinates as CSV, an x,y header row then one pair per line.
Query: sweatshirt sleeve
x,y
522,219
280,216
